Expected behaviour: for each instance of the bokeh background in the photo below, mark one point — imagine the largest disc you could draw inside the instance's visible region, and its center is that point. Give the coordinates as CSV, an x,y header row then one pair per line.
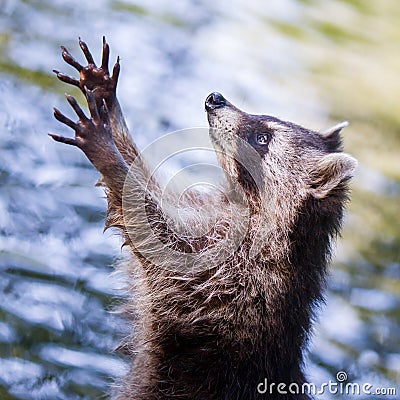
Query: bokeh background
x,y
315,62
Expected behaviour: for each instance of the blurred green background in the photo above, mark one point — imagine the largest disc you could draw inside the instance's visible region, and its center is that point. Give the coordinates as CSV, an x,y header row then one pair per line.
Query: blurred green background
x,y
310,61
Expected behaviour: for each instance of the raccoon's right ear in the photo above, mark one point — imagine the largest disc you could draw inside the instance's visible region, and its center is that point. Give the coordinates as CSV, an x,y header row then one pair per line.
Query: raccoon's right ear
x,y
330,173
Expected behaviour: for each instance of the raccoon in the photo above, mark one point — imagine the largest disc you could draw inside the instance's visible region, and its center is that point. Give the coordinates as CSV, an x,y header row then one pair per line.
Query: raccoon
x,y
215,313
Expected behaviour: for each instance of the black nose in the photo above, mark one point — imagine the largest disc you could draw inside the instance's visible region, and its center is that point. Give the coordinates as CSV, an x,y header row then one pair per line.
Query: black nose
x,y
215,100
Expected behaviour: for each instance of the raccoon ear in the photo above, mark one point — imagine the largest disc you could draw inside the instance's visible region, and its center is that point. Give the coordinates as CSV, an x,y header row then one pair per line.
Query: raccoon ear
x,y
331,171
334,130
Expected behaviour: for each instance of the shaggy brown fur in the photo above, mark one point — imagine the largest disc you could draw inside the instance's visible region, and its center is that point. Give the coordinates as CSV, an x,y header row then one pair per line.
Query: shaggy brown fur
x,y
215,314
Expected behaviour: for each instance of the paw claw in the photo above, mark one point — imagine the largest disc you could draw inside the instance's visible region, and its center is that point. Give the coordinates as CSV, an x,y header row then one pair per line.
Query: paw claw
x,y
105,56
63,139
59,116
70,60
74,104
86,52
66,78
115,73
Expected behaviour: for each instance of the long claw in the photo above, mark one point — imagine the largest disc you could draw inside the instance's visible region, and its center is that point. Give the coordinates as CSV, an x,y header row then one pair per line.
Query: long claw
x,y
115,73
70,60
86,52
62,118
106,56
66,78
94,112
63,139
76,107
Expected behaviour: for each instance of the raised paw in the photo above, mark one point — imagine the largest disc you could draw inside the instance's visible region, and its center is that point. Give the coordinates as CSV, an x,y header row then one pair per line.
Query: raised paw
x,y
96,79
92,135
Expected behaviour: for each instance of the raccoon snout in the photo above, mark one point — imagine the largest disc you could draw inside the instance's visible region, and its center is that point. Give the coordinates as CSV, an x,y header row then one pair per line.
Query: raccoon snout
x,y
214,100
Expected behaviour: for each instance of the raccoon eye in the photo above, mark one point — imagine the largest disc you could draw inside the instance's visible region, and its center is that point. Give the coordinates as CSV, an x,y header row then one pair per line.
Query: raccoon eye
x,y
263,138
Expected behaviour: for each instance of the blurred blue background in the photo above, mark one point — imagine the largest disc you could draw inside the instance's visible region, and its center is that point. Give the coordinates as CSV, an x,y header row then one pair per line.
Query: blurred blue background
x,y
310,61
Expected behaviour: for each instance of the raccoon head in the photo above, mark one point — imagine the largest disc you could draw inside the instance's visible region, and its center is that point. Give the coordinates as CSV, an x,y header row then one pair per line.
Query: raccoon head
x,y
277,162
